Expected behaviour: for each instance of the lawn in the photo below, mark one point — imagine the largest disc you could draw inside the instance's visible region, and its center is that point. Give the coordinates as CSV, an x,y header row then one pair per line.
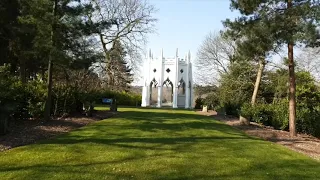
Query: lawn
x,y
156,144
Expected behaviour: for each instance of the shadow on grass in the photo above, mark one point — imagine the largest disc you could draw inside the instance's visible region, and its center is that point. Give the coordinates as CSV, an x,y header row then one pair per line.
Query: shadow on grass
x,y
166,127
160,144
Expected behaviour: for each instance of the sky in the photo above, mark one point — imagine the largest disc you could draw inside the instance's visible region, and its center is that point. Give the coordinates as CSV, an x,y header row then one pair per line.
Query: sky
x,y
183,24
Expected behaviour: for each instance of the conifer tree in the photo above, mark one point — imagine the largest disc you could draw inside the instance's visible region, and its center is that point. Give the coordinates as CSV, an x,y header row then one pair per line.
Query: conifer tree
x,y
120,72
286,22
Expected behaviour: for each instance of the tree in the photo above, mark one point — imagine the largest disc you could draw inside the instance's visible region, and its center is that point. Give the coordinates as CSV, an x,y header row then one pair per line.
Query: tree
x,y
9,12
236,86
288,22
120,71
127,21
59,29
214,56
309,60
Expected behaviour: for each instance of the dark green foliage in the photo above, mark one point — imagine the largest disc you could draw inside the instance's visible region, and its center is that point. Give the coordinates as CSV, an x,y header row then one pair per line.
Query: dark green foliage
x,y
70,100
212,100
199,103
281,25
118,71
49,53
18,101
209,96
231,108
122,98
236,87
276,114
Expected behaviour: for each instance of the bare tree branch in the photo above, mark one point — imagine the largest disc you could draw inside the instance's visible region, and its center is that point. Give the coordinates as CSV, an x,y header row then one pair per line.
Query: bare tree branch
x,y
309,60
131,22
213,57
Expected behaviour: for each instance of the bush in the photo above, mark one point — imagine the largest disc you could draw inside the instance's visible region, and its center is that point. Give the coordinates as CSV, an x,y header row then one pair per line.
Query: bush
x,y
122,98
260,113
67,100
276,115
212,101
231,109
199,103
18,101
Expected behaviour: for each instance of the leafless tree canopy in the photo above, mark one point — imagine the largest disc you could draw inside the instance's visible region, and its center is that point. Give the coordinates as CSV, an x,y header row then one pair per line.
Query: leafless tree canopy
x,y
309,60
131,21
213,57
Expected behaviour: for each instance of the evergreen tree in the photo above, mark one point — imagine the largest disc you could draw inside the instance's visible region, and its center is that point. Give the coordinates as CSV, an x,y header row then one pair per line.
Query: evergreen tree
x,y
59,32
287,22
9,12
119,71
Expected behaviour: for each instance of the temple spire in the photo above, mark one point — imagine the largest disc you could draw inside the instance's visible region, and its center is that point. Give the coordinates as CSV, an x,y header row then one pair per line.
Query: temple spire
x,y
150,53
161,53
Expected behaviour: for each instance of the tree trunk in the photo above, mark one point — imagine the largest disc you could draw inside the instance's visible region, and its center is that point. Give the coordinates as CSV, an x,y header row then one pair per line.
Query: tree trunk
x,y
23,77
47,112
292,92
292,86
258,80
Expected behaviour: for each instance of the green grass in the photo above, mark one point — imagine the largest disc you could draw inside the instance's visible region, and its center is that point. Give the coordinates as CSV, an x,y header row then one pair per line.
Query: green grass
x,y
156,144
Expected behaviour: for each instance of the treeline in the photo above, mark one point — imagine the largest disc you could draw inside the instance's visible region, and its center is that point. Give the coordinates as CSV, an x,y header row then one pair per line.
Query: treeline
x,y
249,83
233,97
56,56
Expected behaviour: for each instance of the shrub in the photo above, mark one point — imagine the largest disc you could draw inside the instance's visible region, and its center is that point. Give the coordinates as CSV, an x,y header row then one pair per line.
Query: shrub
x,y
268,114
276,115
67,100
231,109
199,103
18,101
260,113
212,101
122,98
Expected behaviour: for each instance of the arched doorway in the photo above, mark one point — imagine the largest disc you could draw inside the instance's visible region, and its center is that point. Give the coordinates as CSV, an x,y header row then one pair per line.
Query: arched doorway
x,y
167,93
153,92
181,93
181,87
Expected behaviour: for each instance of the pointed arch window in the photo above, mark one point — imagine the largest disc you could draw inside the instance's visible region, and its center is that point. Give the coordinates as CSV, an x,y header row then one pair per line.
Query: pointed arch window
x,y
181,87
168,83
153,83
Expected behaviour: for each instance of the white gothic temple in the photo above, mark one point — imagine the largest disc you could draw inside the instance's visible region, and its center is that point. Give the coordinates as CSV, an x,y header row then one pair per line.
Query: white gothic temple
x,y
171,75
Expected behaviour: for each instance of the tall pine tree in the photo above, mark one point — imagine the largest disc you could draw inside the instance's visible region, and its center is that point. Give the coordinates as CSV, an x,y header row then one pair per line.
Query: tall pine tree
x,y
119,72
288,22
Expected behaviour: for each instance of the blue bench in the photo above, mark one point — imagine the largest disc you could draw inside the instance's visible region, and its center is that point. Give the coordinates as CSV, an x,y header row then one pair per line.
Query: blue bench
x,y
107,101
111,102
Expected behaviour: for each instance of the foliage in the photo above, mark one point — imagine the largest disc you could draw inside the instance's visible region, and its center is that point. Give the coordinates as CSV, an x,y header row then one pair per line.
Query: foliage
x,y
275,23
118,72
236,87
122,98
199,103
18,101
212,100
276,114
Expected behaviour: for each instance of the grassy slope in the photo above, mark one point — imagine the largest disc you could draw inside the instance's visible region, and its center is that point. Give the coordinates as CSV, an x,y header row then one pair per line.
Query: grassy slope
x,y
156,144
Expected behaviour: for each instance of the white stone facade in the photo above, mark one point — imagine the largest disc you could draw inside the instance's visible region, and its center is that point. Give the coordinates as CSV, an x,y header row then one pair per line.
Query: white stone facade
x,y
163,72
